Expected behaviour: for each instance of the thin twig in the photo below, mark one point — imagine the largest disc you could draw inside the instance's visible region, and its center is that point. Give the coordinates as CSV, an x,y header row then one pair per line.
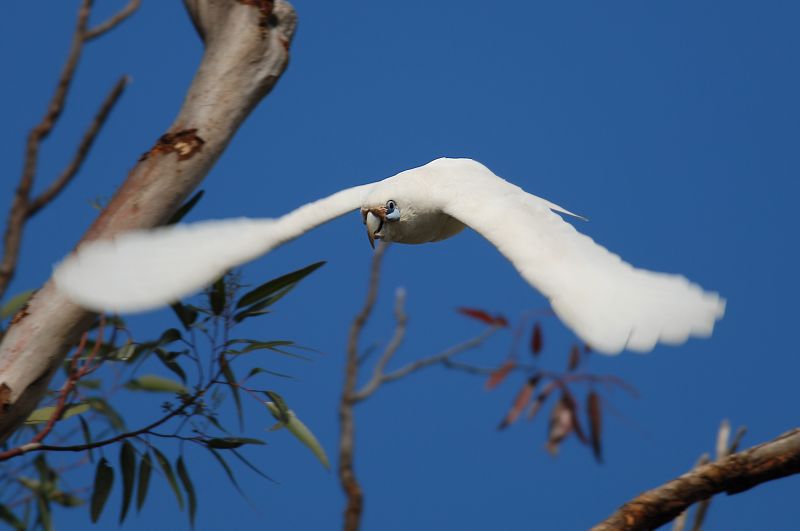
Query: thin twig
x,y
112,22
22,207
85,145
347,476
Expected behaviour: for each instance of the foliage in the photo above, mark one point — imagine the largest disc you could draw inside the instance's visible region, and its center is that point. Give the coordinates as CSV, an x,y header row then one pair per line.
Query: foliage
x,y
200,365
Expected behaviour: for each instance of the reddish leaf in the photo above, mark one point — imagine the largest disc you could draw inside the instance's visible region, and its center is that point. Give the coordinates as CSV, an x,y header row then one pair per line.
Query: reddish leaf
x,y
561,425
574,358
595,423
484,317
499,374
569,401
536,339
521,400
540,400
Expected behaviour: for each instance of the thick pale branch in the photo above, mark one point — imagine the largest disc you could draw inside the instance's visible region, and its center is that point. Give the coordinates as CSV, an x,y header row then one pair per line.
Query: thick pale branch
x,y
736,473
246,52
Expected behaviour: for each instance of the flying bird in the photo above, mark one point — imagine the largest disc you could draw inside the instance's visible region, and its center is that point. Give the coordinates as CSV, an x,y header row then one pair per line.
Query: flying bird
x,y
608,303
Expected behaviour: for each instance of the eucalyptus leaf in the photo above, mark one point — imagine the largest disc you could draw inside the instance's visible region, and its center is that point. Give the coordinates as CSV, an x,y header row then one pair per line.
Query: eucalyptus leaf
x,y
300,431
155,384
183,474
167,469
127,463
103,481
287,281
43,414
15,304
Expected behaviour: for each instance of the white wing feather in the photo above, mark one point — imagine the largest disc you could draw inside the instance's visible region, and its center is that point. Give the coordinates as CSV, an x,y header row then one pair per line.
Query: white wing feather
x,y
142,270
606,301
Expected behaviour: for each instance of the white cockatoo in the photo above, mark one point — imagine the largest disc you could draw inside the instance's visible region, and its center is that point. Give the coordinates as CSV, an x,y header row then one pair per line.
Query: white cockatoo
x,y
607,302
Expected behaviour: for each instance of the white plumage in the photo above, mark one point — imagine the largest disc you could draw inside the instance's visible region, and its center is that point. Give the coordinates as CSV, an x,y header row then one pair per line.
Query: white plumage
x,y
607,302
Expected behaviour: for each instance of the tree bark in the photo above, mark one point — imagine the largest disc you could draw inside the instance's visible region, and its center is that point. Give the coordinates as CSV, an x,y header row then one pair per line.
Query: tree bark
x,y
736,473
246,51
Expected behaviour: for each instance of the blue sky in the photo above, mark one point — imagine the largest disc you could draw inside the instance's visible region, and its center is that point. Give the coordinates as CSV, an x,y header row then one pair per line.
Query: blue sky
x,y
670,125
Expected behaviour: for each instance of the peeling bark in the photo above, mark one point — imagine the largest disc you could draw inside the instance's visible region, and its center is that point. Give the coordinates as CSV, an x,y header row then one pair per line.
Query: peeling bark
x,y
246,53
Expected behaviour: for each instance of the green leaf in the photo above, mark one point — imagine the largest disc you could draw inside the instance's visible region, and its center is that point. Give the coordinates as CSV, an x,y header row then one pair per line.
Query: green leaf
x,y
280,406
187,314
170,335
300,431
167,469
15,304
287,281
228,471
259,370
103,481
185,208
227,443
155,384
65,499
87,436
234,385
104,408
145,468
251,466
183,474
124,353
127,463
11,519
168,359
43,414
216,296
89,384
45,516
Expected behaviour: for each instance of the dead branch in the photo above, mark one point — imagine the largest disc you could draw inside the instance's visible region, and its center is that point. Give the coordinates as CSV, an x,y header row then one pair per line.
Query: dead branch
x,y
113,21
736,473
246,52
347,476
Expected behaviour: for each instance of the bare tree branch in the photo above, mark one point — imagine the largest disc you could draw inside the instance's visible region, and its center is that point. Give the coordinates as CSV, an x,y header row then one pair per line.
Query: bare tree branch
x,y
112,22
736,473
347,476
246,53
87,141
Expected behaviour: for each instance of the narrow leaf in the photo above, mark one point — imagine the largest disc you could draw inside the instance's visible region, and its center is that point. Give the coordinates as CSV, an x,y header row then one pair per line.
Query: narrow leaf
x,y
228,471
227,443
227,372
127,463
185,208
87,436
483,317
537,341
156,384
301,432
186,314
520,401
11,519
145,468
103,481
286,281
168,359
43,414
594,412
167,469
183,474
216,296
104,408
574,358
498,375
561,425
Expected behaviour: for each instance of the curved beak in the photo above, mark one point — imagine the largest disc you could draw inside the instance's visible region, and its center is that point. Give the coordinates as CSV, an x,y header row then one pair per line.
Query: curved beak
x,y
374,219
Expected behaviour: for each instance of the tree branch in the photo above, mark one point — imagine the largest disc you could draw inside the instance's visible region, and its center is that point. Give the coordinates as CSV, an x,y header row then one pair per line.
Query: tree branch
x,y
246,53
736,473
112,22
347,476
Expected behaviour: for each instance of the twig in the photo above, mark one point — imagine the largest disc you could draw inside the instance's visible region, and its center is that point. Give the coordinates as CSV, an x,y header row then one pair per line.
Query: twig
x,y
736,473
87,141
23,208
347,475
112,22
380,378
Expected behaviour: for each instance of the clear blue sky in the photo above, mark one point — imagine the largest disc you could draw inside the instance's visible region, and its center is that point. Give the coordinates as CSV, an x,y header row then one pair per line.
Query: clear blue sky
x,y
673,126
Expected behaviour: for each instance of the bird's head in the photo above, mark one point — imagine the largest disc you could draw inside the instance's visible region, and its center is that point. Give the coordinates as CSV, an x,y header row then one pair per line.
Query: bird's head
x,y
378,219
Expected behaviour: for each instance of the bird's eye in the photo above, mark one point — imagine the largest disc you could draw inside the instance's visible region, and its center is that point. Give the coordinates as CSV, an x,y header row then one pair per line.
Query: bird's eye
x,y
392,212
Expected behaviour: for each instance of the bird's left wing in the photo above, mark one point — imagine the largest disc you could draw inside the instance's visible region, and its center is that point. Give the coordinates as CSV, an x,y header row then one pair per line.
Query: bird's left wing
x,y
145,269
609,303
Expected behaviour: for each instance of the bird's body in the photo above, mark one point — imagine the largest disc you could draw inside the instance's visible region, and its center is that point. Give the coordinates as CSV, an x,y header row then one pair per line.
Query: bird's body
x,y
607,302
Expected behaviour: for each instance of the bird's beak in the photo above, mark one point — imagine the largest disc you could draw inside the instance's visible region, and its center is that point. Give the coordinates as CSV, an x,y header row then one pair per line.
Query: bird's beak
x,y
374,219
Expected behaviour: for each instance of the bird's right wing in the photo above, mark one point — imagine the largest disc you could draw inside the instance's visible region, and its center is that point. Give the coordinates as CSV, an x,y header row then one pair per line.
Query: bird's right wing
x,y
607,302
142,270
